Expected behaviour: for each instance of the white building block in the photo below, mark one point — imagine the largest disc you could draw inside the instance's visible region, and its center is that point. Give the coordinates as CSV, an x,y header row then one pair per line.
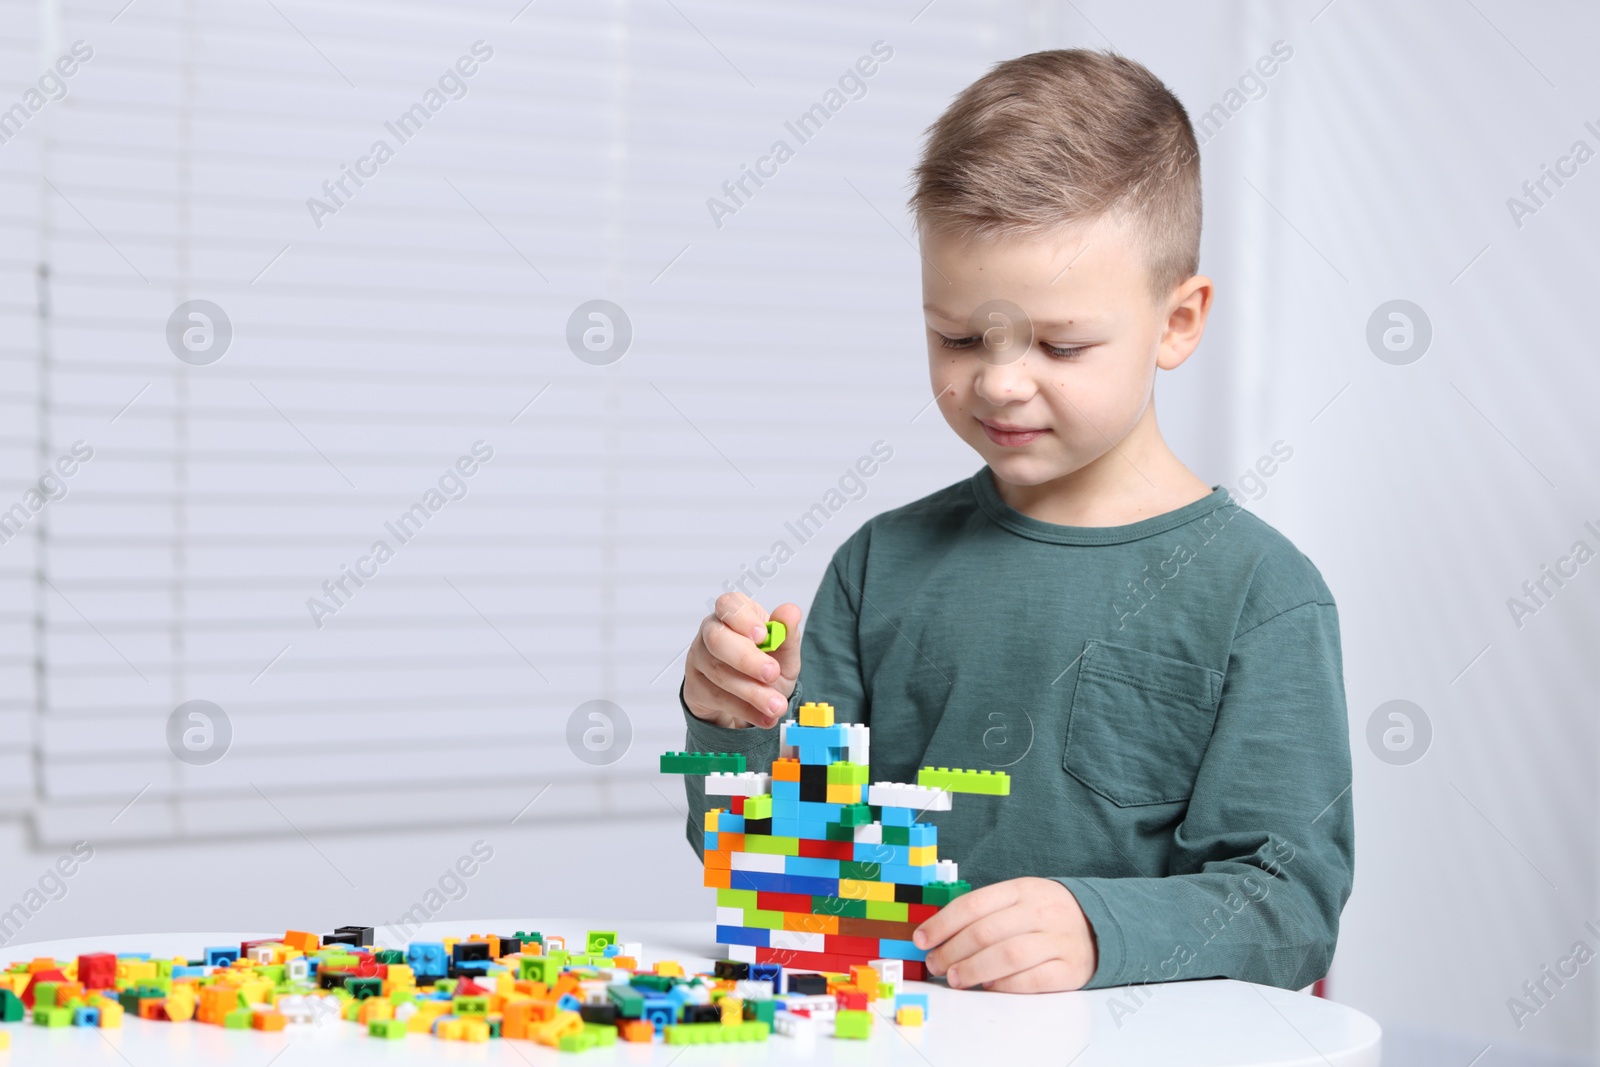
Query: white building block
x,y
945,871
753,989
891,971
799,1027
632,949
741,953
857,737
871,834
820,1006
916,797
757,861
730,916
743,784
797,940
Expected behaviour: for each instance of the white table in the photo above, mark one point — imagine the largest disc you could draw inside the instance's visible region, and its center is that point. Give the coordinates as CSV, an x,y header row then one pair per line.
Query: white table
x,y
1184,1023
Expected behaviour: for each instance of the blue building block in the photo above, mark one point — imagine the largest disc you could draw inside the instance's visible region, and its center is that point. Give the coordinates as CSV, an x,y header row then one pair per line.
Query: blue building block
x,y
923,834
771,972
811,867
85,1016
896,817
762,882
786,827
785,791
906,874
427,958
729,823
749,935
214,957
912,1000
899,950
786,807
711,840
815,809
659,1012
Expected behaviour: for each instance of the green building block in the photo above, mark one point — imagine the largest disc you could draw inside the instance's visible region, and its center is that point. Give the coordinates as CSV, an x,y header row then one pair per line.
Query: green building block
x,y
473,1005
44,995
52,1016
845,773
12,1009
701,762
526,936
840,832
560,956
758,807
238,1019
849,1022
595,941
987,783
447,986
758,919
897,835
389,955
716,1033
942,893
853,909
362,988
393,1029
630,1005
888,910
776,632
772,846
761,1011
736,898
860,870
538,969
855,815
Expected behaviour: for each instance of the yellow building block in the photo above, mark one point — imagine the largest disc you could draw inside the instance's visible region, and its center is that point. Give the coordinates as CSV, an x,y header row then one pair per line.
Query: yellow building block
x,y
844,794
551,1031
474,1030
711,820
852,889
816,714
732,1011
910,1015
669,968
110,1015
374,1009
923,855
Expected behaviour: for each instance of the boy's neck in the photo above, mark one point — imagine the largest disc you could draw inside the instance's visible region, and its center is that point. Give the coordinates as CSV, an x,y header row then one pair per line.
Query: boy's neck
x,y
1139,478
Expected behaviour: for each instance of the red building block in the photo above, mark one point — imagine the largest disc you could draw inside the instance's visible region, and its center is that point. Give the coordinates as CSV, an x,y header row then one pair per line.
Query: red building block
x,y
50,974
828,850
98,970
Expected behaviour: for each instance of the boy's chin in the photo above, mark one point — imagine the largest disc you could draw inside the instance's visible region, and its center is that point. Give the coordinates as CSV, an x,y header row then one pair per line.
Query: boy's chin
x,y
1018,469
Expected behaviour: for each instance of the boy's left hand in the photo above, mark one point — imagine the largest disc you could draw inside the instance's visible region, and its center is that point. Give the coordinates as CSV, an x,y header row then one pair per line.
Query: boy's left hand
x,y
1025,935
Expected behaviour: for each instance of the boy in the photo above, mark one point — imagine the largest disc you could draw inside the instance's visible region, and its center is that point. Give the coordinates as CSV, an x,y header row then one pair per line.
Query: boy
x,y
1157,669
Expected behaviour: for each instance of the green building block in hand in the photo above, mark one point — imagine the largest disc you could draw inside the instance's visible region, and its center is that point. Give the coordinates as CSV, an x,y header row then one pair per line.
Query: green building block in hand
x,y
776,632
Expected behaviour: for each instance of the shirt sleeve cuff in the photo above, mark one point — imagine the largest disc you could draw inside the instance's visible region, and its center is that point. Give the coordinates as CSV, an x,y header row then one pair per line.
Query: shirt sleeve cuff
x,y
749,741
1110,945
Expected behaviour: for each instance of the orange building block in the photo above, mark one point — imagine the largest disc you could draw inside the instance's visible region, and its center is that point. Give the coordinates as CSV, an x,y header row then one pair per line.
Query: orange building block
x,y
637,1030
718,879
302,940
268,1020
785,770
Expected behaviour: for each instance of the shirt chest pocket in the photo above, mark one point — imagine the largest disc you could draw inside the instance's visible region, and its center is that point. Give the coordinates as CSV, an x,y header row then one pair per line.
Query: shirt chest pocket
x,y
1139,724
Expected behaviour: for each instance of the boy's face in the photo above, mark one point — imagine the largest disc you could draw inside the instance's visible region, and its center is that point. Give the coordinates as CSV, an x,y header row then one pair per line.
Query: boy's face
x,y
1073,342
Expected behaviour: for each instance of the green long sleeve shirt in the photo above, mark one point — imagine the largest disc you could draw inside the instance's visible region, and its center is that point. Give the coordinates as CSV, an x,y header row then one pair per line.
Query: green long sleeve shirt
x,y
1167,697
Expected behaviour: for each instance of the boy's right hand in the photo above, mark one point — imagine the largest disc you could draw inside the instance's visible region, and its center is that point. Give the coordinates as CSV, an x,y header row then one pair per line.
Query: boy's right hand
x,y
727,680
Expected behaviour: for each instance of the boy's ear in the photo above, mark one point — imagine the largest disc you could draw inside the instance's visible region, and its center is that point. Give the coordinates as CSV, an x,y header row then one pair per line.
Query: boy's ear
x,y
1186,321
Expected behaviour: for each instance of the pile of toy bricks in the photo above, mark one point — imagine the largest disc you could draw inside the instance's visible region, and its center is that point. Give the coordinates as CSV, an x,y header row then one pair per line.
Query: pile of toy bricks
x,y
486,987
813,866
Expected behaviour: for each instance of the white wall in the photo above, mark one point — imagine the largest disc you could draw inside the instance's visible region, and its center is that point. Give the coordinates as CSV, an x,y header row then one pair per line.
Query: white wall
x,y
768,354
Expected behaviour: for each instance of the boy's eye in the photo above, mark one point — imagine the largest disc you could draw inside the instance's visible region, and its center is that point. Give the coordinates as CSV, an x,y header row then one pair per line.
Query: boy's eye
x,y
1059,353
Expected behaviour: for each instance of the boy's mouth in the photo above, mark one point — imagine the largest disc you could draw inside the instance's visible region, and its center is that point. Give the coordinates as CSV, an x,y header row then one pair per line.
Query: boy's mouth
x,y
1010,436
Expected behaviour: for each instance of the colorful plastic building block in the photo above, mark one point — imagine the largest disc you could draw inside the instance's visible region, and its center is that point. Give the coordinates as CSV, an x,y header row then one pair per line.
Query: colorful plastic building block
x,y
776,633
701,762
987,783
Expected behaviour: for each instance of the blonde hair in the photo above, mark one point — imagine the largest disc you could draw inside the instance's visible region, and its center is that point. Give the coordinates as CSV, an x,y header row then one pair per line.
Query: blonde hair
x,y
1060,137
